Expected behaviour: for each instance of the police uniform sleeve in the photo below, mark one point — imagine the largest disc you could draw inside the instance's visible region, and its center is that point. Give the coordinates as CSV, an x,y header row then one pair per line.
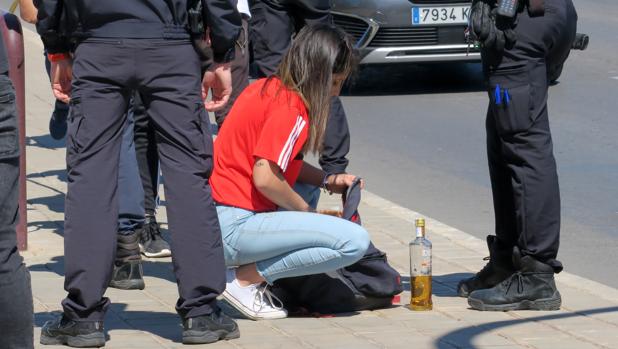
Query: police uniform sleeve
x,y
48,25
224,22
336,144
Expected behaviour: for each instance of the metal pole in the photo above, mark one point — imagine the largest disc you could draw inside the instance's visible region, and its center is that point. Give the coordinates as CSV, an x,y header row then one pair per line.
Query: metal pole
x,y
14,41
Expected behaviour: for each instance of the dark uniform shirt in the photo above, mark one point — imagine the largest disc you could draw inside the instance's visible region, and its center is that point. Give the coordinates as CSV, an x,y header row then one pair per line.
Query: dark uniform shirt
x,y
62,20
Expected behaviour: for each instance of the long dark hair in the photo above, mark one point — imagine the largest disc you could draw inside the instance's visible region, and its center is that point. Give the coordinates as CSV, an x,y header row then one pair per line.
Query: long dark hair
x,y
317,52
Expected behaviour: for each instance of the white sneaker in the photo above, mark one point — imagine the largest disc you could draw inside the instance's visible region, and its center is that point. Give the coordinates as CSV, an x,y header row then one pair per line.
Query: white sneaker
x,y
254,301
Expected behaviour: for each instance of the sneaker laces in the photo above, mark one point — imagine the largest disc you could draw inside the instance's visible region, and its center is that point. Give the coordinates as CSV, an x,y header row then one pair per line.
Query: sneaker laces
x,y
265,298
152,230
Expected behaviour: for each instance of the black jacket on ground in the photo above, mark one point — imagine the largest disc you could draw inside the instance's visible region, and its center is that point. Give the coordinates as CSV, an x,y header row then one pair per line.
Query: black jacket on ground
x,y
62,20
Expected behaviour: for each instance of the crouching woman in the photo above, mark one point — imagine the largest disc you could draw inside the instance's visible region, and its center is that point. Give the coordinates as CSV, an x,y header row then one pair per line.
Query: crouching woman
x,y
257,160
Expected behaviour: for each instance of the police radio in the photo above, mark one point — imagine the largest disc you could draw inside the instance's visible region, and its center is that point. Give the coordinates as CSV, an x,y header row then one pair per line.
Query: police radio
x,y
507,8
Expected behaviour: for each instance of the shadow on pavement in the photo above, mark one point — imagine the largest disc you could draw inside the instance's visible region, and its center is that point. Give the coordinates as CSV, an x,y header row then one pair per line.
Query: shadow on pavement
x,y
56,226
160,268
54,203
55,265
400,79
45,141
442,285
61,174
462,338
452,279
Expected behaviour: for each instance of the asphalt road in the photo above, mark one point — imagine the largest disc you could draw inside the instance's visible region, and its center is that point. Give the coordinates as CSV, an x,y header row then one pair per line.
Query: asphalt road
x,y
418,139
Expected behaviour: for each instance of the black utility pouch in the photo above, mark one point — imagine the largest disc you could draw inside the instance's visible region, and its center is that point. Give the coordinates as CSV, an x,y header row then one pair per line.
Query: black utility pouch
x,y
9,136
199,32
76,137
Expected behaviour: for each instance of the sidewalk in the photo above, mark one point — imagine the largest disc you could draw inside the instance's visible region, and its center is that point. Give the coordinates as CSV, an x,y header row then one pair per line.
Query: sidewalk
x,y
146,319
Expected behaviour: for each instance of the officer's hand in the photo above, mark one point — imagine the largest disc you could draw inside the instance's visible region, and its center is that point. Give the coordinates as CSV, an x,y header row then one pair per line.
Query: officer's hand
x,y
218,79
61,76
481,25
491,30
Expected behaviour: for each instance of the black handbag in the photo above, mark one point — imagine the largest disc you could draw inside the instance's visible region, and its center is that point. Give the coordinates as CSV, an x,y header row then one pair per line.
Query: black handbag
x,y
370,283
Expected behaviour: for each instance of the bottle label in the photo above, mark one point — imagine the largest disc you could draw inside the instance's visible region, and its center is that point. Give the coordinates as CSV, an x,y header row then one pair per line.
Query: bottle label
x,y
426,263
419,232
421,263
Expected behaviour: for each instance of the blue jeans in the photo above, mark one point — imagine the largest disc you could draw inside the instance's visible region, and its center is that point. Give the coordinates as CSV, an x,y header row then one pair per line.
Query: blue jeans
x,y
310,193
130,190
289,243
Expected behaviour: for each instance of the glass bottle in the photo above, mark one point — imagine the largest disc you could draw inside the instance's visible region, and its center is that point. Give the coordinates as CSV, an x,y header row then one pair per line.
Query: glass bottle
x,y
420,269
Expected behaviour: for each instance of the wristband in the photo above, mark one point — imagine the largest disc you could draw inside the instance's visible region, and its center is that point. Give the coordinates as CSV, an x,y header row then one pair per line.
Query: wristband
x,y
57,57
325,183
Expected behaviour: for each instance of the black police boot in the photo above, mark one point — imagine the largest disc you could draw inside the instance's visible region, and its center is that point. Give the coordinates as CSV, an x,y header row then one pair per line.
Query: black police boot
x,y
76,334
209,328
128,273
499,267
531,287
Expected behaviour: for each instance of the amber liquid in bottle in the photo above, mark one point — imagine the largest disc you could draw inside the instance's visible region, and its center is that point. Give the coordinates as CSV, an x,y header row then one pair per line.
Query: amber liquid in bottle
x,y
420,269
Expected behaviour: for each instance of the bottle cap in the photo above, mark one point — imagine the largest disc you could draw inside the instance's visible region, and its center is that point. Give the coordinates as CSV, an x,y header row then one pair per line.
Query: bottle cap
x,y
420,222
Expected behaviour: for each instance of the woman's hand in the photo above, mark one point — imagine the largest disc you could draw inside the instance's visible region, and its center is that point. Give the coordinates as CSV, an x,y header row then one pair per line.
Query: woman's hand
x,y
61,76
338,183
217,79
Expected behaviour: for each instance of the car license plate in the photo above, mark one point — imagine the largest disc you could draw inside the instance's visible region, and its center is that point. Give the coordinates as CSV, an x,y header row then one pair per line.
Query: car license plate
x,y
440,15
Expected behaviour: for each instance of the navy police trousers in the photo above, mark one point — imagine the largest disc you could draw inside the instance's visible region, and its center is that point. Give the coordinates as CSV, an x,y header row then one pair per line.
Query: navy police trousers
x,y
166,73
522,167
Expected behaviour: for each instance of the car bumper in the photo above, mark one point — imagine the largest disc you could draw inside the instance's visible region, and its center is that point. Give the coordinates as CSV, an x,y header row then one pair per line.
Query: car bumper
x,y
398,42
420,54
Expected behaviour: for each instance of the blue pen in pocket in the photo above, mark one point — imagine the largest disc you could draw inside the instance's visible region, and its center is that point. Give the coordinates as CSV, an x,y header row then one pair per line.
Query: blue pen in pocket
x,y
498,95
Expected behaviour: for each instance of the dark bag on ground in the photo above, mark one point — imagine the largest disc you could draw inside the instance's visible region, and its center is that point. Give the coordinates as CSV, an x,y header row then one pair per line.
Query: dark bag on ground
x,y
370,283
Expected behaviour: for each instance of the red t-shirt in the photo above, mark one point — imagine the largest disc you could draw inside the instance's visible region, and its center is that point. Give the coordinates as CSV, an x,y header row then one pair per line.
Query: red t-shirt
x,y
269,123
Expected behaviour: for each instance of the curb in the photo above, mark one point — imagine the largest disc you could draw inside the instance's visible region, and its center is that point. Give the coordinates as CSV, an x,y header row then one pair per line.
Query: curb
x,y
478,246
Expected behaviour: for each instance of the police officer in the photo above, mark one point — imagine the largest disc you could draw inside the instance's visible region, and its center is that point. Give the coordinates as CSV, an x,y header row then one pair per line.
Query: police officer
x,y
145,46
15,292
273,22
518,55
